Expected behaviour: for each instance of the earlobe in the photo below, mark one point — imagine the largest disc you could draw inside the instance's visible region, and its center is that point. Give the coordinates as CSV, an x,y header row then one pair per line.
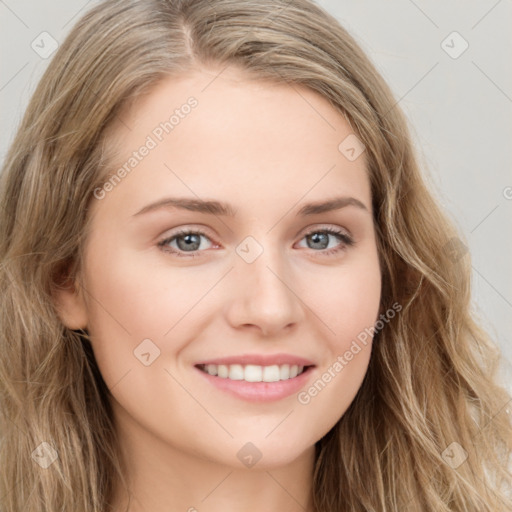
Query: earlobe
x,y
69,301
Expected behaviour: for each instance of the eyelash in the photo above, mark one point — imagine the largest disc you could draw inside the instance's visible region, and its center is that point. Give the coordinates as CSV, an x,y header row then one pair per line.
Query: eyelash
x,y
346,239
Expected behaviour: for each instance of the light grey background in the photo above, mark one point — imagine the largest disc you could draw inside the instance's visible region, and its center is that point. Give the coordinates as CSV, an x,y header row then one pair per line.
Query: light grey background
x,y
459,109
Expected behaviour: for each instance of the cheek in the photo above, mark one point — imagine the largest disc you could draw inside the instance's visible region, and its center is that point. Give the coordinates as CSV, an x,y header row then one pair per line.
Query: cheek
x,y
347,303
133,298
138,291
347,298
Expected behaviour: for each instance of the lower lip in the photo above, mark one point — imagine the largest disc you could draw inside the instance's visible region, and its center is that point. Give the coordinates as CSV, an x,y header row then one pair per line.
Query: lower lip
x,y
259,391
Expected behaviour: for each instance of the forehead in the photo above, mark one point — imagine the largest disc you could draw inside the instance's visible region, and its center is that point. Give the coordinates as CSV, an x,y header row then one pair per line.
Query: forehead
x,y
218,133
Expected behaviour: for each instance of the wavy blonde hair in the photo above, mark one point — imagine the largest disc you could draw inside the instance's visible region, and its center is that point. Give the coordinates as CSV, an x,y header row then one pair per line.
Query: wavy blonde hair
x,y
431,380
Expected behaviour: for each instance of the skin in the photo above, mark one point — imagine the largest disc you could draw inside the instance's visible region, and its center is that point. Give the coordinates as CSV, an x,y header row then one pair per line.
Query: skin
x,y
267,149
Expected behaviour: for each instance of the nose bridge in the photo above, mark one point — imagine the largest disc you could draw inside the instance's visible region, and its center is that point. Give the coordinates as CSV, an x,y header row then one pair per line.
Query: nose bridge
x,y
264,293
260,259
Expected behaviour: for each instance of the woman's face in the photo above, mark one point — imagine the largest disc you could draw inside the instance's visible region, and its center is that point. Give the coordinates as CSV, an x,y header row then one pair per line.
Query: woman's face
x,y
258,280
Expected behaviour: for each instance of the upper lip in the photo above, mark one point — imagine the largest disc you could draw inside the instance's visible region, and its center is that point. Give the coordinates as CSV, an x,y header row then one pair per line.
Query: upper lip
x,y
260,360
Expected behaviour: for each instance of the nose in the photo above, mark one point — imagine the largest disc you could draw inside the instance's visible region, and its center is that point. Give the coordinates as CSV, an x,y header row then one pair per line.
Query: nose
x,y
265,295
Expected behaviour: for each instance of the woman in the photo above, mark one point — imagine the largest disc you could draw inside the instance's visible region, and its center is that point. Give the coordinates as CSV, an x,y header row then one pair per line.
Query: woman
x,y
173,336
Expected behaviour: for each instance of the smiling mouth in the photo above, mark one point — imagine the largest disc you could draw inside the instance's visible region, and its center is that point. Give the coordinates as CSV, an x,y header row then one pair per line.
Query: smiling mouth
x,y
254,373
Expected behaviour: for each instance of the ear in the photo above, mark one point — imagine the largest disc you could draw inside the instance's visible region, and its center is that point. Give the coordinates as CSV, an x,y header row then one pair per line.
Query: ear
x,y
69,300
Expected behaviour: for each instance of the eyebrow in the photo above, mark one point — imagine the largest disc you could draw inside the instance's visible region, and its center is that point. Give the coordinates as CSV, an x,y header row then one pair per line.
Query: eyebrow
x,y
220,208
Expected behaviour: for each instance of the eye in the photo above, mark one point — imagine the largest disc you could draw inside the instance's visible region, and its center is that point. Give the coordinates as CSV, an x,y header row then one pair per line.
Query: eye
x,y
187,242
319,238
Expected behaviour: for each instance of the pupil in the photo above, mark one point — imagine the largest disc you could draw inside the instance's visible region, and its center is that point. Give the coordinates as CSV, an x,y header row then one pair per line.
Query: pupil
x,y
316,238
190,243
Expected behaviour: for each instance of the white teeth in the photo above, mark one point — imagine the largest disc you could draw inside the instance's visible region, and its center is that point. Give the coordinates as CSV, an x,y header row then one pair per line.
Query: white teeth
x,y
254,373
223,371
271,373
236,372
